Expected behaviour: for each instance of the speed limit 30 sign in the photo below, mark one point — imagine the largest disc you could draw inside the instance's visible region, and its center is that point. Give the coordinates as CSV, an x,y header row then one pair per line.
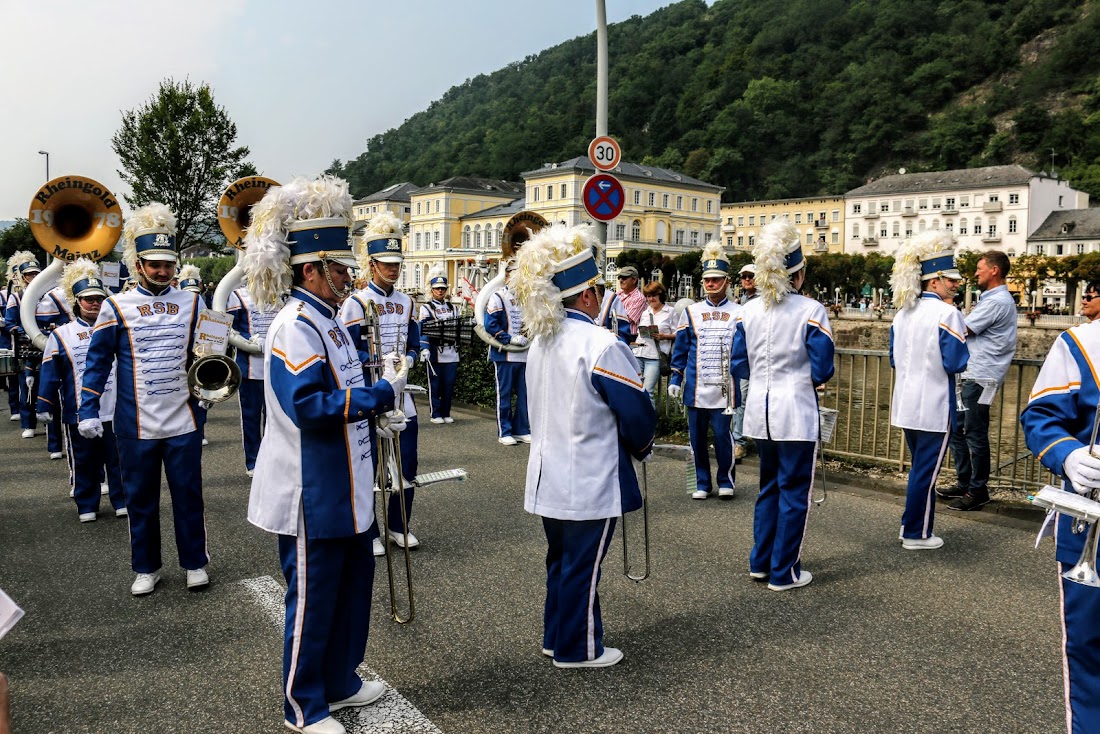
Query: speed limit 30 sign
x,y
604,153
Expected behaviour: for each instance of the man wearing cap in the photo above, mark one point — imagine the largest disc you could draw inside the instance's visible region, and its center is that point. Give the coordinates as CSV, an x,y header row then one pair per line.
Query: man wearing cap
x,y
630,295
784,343
591,420
314,477
747,277
440,359
927,351
251,323
504,322
24,267
701,374
380,255
150,332
60,381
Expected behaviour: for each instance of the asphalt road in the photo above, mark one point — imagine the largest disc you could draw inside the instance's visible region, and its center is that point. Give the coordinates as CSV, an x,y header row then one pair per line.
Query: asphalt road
x,y
964,639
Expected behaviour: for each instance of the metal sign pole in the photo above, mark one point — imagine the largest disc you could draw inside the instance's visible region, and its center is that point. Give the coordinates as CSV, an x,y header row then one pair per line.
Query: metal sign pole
x,y
601,112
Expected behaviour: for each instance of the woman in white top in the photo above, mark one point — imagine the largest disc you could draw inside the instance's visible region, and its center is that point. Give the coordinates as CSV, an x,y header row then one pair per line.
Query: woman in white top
x,y
650,339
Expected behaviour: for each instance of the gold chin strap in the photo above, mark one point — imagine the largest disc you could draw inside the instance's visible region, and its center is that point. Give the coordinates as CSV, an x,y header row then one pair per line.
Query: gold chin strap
x,y
341,294
387,281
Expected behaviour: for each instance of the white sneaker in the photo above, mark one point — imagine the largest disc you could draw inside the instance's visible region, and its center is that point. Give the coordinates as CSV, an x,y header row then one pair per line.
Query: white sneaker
x,y
930,543
438,420
804,578
197,578
399,539
379,549
371,691
144,583
14,417
104,488
122,512
250,472
55,455
327,725
505,440
28,433
700,494
448,419
547,652
525,438
206,442
725,493
611,655
87,517
759,575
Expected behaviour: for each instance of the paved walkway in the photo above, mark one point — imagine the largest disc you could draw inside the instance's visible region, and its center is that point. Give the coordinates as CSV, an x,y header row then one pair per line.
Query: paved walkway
x,y
964,639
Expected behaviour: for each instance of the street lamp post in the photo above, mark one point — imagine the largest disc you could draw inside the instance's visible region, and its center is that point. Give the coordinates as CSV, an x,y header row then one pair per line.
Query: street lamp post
x,y
47,154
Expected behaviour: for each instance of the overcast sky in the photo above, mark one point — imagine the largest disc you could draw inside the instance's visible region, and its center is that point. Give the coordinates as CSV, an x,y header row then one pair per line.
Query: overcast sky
x,y
305,82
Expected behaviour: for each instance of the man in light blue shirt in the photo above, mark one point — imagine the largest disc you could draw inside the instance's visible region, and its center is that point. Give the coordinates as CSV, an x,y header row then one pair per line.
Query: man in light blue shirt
x,y
991,339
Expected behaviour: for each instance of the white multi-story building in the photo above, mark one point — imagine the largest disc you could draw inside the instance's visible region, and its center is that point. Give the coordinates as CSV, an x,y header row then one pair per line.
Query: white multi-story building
x,y
995,207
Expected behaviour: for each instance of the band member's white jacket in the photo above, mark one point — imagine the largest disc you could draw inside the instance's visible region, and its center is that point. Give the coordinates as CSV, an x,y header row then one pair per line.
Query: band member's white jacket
x,y
249,321
589,416
152,337
400,332
927,350
62,373
700,353
786,351
316,451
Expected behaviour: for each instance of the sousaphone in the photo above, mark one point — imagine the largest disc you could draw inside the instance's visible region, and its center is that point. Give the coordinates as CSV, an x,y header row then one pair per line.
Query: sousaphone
x,y
517,231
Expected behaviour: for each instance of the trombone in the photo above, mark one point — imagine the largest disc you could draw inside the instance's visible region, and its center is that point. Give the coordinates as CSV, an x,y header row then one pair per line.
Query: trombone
x,y
389,478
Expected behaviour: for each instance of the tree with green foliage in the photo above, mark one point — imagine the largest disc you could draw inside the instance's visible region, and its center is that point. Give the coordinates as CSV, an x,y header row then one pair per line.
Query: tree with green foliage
x,y
18,237
179,148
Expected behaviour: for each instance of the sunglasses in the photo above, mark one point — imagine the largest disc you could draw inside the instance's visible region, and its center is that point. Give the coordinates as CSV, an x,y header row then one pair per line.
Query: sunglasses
x,y
747,276
1087,299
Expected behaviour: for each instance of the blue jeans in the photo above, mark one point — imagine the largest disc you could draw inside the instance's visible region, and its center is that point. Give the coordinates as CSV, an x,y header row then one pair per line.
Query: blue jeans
x,y
970,442
651,375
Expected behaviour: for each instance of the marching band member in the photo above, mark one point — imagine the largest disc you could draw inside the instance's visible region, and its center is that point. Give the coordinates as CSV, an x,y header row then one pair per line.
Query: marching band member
x,y
784,344
927,350
590,417
504,322
24,267
150,331
700,373
379,253
1057,424
52,311
252,323
441,360
314,477
59,390
10,382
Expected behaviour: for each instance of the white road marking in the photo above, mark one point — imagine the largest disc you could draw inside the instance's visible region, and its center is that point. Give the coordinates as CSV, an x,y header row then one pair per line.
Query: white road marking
x,y
392,713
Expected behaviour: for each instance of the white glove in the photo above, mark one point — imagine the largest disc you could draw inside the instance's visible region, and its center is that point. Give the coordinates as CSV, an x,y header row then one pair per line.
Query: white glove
x,y
45,417
258,340
90,428
518,340
425,355
206,404
1082,470
30,382
395,372
391,423
674,391
409,361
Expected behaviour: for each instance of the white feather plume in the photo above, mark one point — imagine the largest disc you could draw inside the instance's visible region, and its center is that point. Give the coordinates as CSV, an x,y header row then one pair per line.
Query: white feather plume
x,y
905,279
190,272
769,254
713,251
18,259
438,270
539,299
149,216
80,269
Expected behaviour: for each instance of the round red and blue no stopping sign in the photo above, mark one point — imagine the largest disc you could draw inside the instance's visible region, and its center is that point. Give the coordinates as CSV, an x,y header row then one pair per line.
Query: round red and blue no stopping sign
x,y
603,196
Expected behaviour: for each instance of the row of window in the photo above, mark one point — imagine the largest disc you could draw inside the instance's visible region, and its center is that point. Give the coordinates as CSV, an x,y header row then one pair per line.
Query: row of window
x,y
810,241
536,193
947,203
427,207
820,219
1080,249
949,225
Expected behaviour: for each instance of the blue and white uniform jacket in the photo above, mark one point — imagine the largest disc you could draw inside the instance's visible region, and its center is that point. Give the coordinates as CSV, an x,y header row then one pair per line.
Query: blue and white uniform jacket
x,y
927,350
786,351
12,325
249,321
400,332
589,416
53,309
441,311
62,373
152,338
502,320
315,457
1060,412
612,313
701,354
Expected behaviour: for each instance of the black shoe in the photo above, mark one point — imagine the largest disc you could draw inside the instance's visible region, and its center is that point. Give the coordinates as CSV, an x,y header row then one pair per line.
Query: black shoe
x,y
968,502
951,494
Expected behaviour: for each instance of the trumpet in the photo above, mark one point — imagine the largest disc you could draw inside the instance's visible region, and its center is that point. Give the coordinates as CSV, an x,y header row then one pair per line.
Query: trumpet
x,y
389,478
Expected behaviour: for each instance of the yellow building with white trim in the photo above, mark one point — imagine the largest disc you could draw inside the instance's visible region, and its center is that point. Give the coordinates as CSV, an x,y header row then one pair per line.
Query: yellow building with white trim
x,y
819,221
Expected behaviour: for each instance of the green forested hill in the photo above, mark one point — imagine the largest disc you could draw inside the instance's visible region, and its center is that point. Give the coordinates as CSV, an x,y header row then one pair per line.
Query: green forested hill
x,y
782,98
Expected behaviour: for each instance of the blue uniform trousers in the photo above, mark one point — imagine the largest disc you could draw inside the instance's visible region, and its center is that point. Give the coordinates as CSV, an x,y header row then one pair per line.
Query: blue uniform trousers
x,y
55,434
512,380
782,508
1081,654
328,599
89,459
27,416
572,623
181,457
12,384
699,421
927,449
251,395
441,387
